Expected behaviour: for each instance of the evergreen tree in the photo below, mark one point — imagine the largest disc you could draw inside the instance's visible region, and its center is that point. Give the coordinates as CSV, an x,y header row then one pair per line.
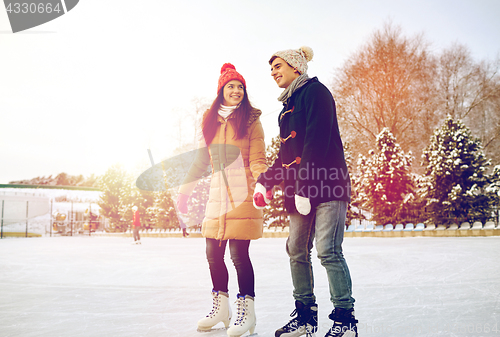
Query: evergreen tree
x,y
275,212
385,184
164,211
493,191
145,202
131,196
495,181
119,195
455,177
353,208
111,184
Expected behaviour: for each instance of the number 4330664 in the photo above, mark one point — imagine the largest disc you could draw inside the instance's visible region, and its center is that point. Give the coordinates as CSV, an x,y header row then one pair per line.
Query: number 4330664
x,y
32,8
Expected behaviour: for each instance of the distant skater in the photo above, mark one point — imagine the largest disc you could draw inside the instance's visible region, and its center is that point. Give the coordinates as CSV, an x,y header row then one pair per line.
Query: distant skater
x,y
137,225
182,225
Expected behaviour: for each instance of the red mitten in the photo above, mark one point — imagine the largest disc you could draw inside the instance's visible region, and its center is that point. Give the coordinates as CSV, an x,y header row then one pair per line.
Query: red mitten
x,y
259,200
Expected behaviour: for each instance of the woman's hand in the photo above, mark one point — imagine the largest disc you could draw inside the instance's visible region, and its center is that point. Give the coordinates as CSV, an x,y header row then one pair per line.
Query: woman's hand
x,y
261,197
182,203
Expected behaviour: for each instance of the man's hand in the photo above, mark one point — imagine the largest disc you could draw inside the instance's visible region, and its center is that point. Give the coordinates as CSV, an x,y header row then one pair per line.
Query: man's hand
x,y
261,197
182,203
302,204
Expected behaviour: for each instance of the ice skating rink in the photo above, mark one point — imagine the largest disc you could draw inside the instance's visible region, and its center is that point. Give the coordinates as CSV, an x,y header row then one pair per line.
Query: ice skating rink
x,y
104,286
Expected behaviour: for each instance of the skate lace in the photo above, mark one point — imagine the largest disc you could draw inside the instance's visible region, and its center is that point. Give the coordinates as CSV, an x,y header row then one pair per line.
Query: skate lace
x,y
240,310
299,323
295,323
215,306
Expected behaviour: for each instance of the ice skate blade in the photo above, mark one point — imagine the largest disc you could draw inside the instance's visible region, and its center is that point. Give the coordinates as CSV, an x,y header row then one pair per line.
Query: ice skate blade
x,y
210,329
250,331
300,332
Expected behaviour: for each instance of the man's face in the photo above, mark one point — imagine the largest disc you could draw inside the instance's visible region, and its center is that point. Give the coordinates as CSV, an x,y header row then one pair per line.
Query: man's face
x,y
283,73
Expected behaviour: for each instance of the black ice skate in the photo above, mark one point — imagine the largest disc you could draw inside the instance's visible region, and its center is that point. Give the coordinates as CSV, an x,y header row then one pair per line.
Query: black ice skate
x,y
305,323
344,323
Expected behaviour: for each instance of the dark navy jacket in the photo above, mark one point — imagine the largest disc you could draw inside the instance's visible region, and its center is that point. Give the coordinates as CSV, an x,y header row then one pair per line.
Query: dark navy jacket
x,y
311,148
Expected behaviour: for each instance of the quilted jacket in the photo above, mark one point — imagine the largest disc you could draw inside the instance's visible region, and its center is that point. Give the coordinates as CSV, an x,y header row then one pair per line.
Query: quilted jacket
x,y
236,165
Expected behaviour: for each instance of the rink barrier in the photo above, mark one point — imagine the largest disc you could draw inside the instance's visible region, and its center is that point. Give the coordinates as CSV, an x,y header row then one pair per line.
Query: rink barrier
x,y
387,231
465,229
21,235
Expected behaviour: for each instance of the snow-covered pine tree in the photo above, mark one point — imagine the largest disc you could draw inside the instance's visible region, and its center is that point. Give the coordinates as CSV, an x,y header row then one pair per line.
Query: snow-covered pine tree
x,y
275,212
145,202
129,197
111,183
119,196
385,184
353,208
164,211
493,190
494,186
455,176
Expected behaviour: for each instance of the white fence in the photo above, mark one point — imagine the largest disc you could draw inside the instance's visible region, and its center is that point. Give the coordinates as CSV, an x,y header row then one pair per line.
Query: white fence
x,y
37,211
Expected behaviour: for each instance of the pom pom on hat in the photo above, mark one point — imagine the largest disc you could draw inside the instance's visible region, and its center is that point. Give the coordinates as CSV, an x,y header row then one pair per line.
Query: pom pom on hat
x,y
228,73
308,53
227,66
296,58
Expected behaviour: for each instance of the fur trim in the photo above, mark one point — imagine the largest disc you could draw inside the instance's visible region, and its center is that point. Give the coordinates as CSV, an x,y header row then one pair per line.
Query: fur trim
x,y
254,115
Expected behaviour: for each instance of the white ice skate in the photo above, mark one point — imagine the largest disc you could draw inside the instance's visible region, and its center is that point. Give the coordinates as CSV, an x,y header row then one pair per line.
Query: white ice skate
x,y
245,317
221,312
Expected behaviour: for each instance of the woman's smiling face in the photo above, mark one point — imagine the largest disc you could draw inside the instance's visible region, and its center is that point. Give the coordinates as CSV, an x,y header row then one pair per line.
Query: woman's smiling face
x,y
233,93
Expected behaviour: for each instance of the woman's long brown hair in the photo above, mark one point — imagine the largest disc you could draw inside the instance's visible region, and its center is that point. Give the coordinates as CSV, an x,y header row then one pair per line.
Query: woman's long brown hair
x,y
239,122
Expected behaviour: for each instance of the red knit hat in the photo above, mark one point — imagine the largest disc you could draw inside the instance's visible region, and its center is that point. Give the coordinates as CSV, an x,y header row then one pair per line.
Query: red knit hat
x,y
227,73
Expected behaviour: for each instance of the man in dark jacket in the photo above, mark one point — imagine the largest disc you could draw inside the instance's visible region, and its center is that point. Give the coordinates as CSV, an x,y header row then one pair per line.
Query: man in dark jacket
x,y
317,190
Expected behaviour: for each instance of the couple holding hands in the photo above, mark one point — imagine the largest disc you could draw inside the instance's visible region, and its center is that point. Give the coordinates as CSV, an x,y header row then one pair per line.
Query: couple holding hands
x,y
310,170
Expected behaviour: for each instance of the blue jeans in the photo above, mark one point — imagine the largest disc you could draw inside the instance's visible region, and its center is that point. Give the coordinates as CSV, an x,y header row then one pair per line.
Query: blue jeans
x,y
326,223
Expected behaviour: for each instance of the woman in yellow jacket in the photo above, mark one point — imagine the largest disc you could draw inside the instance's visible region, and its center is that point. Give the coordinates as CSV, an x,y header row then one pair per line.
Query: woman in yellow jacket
x,y
233,144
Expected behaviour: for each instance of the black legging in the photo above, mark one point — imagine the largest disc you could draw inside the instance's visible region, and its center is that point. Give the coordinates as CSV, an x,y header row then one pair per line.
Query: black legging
x,y
241,261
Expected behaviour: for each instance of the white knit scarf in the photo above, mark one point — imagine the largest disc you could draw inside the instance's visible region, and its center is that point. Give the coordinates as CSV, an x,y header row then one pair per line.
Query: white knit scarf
x,y
225,111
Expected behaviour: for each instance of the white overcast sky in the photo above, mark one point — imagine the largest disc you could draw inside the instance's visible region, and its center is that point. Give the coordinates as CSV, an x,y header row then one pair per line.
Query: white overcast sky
x,y
109,79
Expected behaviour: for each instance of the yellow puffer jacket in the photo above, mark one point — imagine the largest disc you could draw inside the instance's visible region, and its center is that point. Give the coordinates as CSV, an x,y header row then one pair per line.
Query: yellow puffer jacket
x,y
230,213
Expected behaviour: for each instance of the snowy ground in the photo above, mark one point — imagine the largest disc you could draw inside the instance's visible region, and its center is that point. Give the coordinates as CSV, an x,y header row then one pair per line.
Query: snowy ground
x,y
104,286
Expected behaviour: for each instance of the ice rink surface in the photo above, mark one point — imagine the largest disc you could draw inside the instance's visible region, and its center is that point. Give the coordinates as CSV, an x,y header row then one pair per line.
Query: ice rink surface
x,y
103,286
